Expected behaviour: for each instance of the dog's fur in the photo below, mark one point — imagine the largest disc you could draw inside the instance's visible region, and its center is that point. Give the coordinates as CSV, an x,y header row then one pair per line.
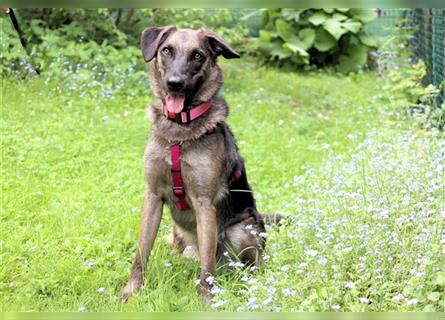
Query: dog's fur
x,y
218,217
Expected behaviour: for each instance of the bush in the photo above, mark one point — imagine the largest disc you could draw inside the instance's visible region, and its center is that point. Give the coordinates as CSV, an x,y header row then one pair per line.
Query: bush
x,y
320,37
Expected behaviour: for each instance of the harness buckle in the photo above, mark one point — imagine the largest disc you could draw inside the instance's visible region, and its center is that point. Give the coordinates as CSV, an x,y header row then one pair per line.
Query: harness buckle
x,y
179,191
179,118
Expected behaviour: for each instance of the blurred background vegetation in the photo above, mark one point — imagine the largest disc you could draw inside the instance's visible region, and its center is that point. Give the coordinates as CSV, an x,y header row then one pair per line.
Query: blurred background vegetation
x,y
405,46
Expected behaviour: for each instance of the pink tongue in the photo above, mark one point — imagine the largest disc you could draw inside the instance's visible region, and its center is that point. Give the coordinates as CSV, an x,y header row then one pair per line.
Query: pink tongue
x,y
174,103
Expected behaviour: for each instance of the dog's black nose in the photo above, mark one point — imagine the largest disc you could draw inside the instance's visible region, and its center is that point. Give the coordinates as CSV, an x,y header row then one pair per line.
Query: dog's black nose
x,y
175,84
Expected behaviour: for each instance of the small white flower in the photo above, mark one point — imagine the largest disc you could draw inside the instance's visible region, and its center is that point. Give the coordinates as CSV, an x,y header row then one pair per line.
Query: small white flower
x,y
218,304
287,292
322,261
167,265
216,290
126,114
280,122
350,285
336,307
89,264
251,304
412,302
242,142
364,300
263,234
82,309
104,118
237,264
311,253
210,279
101,290
398,298
285,268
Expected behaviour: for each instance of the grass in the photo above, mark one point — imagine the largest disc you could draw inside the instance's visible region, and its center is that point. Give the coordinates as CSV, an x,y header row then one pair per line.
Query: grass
x,y
364,189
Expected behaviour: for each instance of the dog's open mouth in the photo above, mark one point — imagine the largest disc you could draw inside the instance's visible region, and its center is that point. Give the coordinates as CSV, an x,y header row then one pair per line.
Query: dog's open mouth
x,y
174,103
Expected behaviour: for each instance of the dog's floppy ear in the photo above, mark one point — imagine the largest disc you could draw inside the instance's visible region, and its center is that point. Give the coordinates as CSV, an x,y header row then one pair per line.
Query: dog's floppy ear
x,y
151,38
218,46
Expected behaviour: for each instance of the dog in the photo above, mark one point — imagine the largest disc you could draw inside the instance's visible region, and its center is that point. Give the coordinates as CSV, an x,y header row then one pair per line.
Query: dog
x,y
191,161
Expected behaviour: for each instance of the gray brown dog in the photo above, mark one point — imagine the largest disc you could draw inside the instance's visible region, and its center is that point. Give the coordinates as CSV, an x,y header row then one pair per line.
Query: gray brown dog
x,y
192,163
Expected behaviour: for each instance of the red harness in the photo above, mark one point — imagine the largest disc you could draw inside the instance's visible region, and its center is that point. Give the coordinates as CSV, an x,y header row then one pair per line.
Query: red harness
x,y
175,153
178,184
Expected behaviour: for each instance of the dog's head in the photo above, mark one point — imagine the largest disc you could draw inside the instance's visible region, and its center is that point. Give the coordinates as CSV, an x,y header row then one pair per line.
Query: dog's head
x,y
184,58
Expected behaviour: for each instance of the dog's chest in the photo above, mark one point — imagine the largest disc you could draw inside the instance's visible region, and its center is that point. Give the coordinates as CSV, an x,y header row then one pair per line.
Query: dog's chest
x,y
202,163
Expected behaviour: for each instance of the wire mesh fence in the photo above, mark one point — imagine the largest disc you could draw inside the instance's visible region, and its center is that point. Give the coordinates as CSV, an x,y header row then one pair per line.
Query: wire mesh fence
x,y
427,40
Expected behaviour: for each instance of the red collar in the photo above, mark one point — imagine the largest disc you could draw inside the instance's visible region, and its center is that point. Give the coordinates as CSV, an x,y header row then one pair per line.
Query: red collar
x,y
187,116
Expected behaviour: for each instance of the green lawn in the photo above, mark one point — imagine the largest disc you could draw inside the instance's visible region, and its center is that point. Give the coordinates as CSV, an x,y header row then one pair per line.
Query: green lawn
x,y
364,187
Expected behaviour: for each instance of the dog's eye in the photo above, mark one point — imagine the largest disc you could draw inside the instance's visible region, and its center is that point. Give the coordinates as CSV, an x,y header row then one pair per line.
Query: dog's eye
x,y
197,56
166,52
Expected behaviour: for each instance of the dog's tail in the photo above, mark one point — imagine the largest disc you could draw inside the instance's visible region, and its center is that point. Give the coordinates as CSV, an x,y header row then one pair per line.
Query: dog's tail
x,y
272,218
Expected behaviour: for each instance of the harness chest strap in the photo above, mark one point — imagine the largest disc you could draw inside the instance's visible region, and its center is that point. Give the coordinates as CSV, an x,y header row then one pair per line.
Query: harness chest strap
x,y
178,183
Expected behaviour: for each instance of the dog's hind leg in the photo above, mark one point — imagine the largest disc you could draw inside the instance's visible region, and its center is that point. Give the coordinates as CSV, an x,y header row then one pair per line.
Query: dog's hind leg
x,y
245,241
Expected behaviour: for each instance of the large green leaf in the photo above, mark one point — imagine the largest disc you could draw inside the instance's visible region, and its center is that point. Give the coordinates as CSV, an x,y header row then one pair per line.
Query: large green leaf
x,y
368,40
342,9
270,46
296,49
307,37
265,36
352,25
359,54
284,29
281,52
323,40
318,18
291,14
339,17
335,28
364,15
346,64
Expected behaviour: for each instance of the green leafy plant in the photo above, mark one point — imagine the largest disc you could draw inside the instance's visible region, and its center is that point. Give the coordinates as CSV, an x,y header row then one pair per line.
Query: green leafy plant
x,y
320,37
406,75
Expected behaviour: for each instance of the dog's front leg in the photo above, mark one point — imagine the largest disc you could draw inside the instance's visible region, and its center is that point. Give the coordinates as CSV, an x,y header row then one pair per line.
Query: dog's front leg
x,y
207,241
150,220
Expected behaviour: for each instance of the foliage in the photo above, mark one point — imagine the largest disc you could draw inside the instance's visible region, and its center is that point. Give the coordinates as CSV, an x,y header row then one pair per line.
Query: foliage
x,y
320,37
397,62
121,27
365,194
60,39
85,67
226,22
73,24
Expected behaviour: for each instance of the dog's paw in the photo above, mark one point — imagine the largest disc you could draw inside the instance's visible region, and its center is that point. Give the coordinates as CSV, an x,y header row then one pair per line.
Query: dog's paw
x,y
191,252
130,289
170,239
